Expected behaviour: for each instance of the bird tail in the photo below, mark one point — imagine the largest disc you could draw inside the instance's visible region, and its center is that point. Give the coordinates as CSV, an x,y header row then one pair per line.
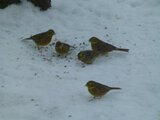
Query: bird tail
x,y
122,49
116,88
27,39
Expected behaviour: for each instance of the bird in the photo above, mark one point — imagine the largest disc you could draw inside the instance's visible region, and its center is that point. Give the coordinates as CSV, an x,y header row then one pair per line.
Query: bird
x,y
97,89
62,48
103,47
42,39
87,56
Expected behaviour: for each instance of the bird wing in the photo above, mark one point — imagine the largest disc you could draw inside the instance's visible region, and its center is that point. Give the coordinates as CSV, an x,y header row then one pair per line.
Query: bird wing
x,y
102,88
39,36
103,45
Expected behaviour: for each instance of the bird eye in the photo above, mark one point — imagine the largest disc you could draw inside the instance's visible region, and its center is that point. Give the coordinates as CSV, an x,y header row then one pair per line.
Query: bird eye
x,y
91,84
88,54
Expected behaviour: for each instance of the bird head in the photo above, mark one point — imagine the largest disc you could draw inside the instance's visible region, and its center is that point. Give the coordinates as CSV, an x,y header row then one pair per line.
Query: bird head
x,y
81,55
50,31
58,43
90,84
94,40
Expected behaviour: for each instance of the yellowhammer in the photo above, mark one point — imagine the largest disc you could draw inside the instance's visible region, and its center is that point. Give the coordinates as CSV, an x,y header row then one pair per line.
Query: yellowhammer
x,y
62,48
87,56
43,38
97,89
103,47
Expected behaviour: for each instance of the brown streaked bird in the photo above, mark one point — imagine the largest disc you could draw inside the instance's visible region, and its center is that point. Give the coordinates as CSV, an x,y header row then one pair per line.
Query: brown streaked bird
x,y
103,47
62,48
42,39
97,89
87,56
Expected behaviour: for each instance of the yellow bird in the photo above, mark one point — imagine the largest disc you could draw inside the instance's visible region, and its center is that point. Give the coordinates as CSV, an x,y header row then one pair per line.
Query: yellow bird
x,y
97,89
42,39
62,48
87,56
103,47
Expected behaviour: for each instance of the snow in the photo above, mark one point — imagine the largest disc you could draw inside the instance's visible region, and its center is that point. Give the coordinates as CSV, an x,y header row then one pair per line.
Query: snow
x,y
38,85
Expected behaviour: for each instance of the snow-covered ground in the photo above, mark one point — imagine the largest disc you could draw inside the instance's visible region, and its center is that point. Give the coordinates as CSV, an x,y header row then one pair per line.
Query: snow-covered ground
x,y
38,85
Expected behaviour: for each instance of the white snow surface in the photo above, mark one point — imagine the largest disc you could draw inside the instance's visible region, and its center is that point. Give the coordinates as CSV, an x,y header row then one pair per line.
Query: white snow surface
x,y
38,85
